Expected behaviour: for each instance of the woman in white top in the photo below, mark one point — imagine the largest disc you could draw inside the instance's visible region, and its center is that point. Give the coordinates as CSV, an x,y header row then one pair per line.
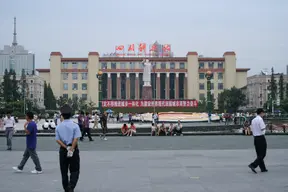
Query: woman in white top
x,y
178,129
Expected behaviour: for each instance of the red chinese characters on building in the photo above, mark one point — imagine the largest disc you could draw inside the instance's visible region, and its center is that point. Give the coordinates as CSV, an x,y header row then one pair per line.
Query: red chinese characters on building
x,y
150,103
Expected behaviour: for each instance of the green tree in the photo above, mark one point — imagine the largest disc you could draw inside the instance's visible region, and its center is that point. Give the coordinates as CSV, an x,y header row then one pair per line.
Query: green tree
x,y
7,87
61,101
286,90
15,87
231,99
49,98
281,87
272,87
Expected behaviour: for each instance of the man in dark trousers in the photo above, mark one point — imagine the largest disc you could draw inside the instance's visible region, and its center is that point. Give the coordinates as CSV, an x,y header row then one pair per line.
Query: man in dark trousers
x,y
67,134
86,128
103,122
81,120
30,128
258,129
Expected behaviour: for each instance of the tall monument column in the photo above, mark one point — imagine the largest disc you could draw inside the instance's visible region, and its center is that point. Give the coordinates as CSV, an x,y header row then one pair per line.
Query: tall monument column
x,y
127,86
167,85
137,86
158,87
118,86
109,85
177,86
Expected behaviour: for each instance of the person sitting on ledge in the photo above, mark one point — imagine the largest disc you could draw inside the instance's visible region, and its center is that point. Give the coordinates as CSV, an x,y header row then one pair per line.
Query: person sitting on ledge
x,y
45,126
124,130
178,129
162,130
52,125
170,129
132,130
153,129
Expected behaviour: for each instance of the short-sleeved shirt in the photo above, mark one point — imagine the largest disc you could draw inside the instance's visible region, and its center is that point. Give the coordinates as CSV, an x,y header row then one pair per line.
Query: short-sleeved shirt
x,y
80,120
67,131
133,127
31,139
258,126
86,121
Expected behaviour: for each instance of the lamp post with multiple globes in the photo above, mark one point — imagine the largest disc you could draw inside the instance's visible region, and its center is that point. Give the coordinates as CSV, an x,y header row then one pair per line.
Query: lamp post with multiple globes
x,y
209,76
99,77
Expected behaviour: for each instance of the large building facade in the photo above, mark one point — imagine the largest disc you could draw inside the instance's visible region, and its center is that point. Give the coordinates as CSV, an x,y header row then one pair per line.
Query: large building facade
x,y
174,78
16,57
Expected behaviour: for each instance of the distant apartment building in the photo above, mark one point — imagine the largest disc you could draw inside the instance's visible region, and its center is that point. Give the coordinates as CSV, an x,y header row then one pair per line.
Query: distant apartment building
x,y
35,90
257,93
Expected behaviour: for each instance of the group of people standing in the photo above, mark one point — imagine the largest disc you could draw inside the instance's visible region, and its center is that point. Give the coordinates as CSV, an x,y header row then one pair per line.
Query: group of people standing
x,y
84,124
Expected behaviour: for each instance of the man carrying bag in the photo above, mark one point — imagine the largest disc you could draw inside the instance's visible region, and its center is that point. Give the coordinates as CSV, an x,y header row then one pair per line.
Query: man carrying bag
x,y
67,135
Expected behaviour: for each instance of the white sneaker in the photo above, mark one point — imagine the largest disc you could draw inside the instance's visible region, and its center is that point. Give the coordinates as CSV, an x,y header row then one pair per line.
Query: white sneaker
x,y
105,139
36,172
17,169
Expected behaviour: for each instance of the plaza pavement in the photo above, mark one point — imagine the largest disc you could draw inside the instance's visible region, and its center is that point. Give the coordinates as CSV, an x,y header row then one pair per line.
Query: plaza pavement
x,y
153,164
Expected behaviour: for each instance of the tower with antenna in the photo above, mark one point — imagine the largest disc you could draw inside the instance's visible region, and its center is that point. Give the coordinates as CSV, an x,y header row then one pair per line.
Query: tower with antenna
x,y
12,55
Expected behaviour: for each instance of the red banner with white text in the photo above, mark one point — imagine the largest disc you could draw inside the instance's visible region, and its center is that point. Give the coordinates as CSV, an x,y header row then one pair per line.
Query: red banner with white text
x,y
150,103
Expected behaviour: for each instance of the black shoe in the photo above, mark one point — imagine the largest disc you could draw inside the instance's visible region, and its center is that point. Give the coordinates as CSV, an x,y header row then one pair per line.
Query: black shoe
x,y
252,168
81,139
265,170
9,149
91,140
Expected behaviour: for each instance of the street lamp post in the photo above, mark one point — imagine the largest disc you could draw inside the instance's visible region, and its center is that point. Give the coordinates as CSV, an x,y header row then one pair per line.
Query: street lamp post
x,y
99,76
209,99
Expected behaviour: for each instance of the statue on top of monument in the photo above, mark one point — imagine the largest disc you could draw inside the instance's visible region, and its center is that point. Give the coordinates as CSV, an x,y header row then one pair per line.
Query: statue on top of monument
x,y
147,72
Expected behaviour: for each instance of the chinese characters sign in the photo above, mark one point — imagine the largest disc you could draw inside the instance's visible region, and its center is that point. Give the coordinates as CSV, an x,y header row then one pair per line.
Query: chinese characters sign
x,y
150,103
142,49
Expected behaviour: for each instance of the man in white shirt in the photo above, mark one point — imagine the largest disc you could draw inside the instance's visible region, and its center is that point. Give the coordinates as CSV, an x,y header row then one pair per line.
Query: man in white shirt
x,y
9,123
258,129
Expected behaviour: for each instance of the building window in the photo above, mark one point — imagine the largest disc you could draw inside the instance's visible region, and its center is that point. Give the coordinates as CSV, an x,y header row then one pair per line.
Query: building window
x,y
172,65
31,96
220,65
65,65
74,96
182,65
65,96
201,76
201,86
65,86
103,65
113,66
220,86
132,65
211,65
220,75
65,76
74,65
122,65
163,65
212,86
74,76
75,86
84,76
84,86
201,65
84,96
84,65
202,96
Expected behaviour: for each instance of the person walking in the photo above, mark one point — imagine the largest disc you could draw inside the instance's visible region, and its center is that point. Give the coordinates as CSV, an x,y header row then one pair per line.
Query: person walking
x,y
86,128
103,120
67,134
30,128
81,120
258,129
9,123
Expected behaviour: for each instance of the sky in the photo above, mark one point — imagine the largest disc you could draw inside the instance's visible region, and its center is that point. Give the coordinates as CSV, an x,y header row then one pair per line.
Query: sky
x,y
256,30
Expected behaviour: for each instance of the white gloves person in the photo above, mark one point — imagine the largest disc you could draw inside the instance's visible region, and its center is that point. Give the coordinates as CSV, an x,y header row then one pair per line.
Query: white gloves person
x,y
69,152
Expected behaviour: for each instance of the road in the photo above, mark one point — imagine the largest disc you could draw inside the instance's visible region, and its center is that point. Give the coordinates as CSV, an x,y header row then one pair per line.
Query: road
x,y
153,164
156,143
